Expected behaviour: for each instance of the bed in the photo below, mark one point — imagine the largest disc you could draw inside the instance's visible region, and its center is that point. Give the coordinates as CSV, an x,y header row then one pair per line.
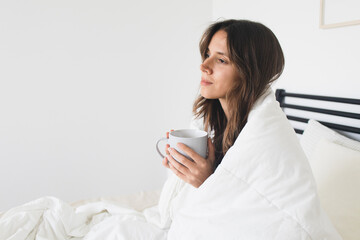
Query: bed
x,y
330,144
328,134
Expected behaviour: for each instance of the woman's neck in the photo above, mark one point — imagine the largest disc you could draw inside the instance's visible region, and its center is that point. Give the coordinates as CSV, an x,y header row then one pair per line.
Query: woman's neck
x,y
224,106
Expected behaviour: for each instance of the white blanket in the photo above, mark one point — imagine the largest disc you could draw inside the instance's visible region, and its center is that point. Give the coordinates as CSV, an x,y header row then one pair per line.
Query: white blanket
x,y
263,189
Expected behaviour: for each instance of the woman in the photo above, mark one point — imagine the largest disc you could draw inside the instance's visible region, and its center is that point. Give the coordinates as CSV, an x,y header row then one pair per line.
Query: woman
x,y
256,182
239,61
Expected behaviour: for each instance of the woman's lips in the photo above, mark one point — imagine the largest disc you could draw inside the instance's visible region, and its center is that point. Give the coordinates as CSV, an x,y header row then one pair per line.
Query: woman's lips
x,y
205,83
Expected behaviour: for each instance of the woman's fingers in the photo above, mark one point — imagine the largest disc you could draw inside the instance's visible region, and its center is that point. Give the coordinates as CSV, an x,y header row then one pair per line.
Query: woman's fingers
x,y
177,172
167,149
191,153
167,133
180,167
167,145
181,158
164,162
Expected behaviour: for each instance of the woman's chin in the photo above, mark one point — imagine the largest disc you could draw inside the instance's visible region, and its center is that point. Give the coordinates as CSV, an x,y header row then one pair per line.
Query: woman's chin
x,y
203,95
207,96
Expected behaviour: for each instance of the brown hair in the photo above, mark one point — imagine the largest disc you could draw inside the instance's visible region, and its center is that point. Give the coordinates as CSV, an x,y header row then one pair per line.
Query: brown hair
x,y
255,51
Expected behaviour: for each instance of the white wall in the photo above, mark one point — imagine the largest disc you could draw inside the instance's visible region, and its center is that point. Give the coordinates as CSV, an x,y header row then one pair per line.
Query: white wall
x,y
86,89
323,62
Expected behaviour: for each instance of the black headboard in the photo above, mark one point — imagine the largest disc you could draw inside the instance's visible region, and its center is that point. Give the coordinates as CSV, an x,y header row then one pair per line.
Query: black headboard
x,y
281,94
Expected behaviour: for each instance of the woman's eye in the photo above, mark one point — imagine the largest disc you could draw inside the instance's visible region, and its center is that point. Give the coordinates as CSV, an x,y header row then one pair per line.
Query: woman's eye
x,y
222,61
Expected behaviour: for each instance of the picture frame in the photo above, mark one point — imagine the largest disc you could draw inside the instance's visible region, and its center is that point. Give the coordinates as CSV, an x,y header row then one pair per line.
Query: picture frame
x,y
324,25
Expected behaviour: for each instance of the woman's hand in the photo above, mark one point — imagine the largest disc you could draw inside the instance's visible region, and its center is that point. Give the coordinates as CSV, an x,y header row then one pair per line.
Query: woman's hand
x,y
165,161
193,172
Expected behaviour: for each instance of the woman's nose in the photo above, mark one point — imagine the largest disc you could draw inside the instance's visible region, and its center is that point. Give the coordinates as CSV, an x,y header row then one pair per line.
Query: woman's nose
x,y
205,68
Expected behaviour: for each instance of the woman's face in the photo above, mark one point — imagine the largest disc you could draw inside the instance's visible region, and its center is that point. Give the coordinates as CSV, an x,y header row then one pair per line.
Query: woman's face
x,y
217,72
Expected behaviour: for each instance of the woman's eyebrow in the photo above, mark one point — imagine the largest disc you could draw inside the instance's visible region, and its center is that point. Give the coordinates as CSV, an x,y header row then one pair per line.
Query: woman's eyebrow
x,y
221,53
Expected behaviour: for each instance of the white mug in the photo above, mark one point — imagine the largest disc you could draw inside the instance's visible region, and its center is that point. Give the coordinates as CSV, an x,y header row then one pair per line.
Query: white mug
x,y
194,138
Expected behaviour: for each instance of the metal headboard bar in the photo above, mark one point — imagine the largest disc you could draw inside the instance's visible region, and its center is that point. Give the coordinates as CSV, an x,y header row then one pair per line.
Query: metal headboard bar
x,y
320,110
299,131
330,125
280,94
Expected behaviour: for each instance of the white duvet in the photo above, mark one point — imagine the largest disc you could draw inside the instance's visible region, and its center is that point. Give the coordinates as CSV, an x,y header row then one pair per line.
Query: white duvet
x,y
263,189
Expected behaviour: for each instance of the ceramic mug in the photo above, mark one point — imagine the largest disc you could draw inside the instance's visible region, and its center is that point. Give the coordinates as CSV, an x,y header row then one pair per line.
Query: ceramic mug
x,y
194,138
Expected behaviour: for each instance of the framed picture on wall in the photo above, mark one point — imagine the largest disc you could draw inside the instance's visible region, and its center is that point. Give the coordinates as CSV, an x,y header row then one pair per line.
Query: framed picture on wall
x,y
339,13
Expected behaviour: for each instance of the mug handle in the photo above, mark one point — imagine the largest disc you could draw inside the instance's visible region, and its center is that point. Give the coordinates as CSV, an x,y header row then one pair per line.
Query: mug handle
x,y
157,146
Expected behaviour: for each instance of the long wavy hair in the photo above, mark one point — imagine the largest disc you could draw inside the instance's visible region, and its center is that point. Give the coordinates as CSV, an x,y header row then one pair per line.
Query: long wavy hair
x,y
256,53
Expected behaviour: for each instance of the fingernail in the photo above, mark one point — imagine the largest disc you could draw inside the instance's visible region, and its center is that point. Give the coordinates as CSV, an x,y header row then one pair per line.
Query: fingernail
x,y
170,149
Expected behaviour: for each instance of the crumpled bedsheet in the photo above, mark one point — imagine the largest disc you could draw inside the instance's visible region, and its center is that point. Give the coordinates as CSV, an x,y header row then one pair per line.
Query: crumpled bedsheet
x,y
51,218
